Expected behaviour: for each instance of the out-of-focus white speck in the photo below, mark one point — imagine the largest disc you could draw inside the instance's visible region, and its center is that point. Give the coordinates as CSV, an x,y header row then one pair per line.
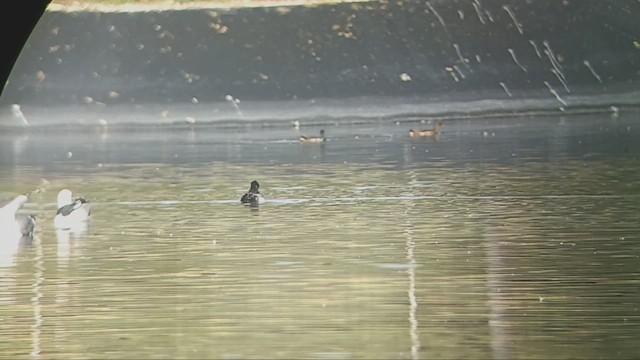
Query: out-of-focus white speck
x,y
405,77
506,90
15,109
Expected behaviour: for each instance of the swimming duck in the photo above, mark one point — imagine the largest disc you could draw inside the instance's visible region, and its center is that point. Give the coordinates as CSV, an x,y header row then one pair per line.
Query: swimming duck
x,y
433,132
72,212
13,226
253,196
313,139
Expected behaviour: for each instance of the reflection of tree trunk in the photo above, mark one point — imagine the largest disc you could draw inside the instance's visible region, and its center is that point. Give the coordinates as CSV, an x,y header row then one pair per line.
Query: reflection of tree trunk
x,y
38,279
498,324
411,271
413,304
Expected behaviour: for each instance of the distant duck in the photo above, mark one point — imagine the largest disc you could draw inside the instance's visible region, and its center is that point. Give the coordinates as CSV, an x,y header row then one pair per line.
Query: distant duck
x,y
433,132
13,226
72,212
253,196
313,139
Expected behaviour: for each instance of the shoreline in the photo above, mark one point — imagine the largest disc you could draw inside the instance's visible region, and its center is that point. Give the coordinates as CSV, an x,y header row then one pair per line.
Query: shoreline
x,y
158,6
324,112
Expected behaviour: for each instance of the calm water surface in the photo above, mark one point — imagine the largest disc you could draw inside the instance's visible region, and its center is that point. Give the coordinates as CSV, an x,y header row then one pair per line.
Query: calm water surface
x,y
504,239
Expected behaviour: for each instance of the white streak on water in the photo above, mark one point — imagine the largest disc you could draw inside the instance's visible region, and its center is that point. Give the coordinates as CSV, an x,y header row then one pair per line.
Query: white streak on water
x,y
555,72
513,17
460,14
454,76
555,93
234,102
535,47
553,62
504,87
551,53
476,6
515,59
464,60
438,16
489,16
459,71
593,72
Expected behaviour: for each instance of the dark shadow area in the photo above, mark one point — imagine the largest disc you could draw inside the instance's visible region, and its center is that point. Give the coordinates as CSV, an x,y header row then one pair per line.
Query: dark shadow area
x,y
16,26
434,49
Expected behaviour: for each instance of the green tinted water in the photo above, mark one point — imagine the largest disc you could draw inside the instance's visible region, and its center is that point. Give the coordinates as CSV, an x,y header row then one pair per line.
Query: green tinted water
x,y
497,241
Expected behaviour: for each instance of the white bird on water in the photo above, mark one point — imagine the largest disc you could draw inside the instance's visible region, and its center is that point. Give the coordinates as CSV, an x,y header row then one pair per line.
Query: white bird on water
x,y
13,226
73,212
15,108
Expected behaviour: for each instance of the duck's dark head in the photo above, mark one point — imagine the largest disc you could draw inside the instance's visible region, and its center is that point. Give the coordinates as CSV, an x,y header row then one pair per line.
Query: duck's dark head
x,y
322,132
80,200
254,186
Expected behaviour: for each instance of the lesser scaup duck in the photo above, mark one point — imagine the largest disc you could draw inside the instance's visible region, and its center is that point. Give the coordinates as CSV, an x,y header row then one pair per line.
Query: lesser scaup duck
x,y
313,139
12,225
72,212
433,132
253,196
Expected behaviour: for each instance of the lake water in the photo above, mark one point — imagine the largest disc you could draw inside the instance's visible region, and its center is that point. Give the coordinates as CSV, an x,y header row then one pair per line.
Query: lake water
x,y
506,238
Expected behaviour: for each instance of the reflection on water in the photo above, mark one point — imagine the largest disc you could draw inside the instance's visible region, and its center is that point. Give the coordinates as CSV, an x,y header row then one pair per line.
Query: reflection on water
x,y
502,240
